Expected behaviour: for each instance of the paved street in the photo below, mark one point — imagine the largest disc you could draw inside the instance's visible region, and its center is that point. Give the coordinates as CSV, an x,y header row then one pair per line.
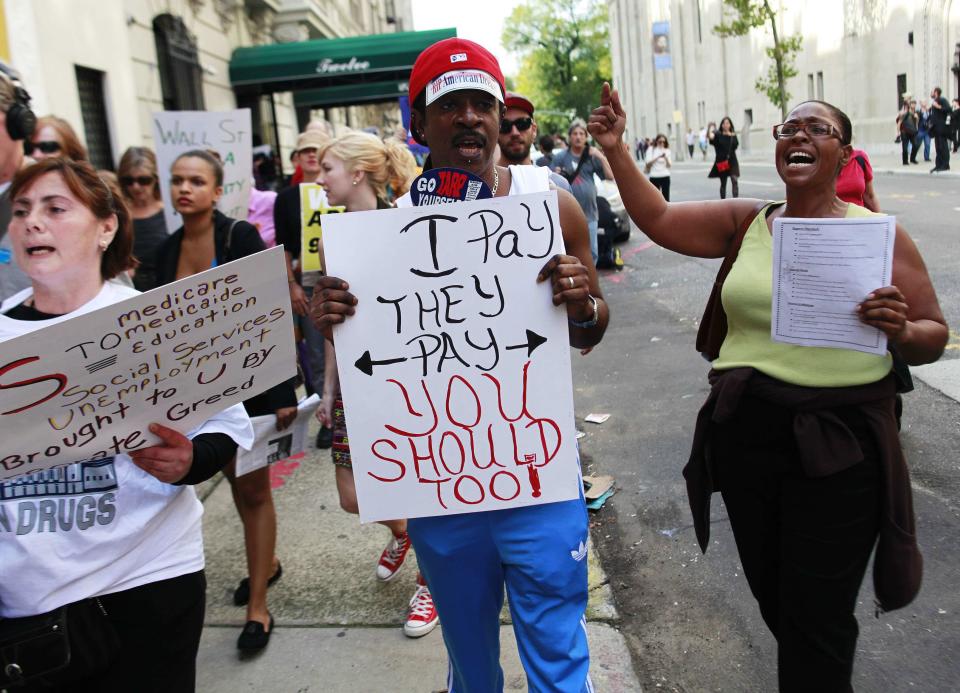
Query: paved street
x,y
689,619
683,621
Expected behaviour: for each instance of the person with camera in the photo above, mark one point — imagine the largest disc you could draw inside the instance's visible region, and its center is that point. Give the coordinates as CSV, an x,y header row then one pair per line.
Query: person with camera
x,y
578,164
908,124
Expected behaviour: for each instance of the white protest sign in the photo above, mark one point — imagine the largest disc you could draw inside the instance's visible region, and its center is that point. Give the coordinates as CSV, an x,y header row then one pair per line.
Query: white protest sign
x,y
88,387
455,369
271,445
226,132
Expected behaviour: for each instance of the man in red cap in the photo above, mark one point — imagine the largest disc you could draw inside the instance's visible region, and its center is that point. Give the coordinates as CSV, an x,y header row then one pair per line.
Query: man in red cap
x,y
518,130
538,552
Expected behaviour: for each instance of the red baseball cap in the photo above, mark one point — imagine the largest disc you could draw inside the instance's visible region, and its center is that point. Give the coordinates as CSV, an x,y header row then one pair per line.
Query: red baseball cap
x,y
453,64
518,101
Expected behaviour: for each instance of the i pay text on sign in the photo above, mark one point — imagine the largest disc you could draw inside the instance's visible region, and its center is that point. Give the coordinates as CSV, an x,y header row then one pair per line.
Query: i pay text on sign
x,y
455,369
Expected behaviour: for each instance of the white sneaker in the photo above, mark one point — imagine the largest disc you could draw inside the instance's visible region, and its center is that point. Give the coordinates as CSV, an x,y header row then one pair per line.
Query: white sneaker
x,y
422,616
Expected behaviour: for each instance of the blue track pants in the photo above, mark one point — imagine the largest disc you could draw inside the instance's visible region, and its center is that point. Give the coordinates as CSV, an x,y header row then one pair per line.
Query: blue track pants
x,y
539,553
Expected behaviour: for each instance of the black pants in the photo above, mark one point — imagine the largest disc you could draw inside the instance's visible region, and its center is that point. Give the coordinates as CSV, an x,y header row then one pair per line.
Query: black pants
x,y
159,625
943,149
908,147
663,185
804,542
735,188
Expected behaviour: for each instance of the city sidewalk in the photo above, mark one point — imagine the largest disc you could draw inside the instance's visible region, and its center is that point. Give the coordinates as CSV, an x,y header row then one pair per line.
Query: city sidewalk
x,y
885,162
337,628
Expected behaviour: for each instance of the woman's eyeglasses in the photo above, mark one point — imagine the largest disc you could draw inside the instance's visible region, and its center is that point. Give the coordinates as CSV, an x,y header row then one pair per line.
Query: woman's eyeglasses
x,y
143,181
523,124
814,129
45,147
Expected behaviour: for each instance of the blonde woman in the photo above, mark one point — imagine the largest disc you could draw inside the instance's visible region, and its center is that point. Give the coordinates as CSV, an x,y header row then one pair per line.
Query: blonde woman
x,y
360,172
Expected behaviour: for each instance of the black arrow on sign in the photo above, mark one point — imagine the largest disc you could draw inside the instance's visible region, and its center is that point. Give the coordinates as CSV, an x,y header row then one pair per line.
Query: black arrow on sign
x,y
366,364
533,341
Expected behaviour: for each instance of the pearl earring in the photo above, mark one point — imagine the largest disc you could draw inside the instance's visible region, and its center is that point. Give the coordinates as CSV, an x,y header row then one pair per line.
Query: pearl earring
x,y
354,182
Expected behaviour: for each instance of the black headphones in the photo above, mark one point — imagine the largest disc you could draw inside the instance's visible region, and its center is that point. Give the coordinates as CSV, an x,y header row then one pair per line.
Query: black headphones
x,y
21,121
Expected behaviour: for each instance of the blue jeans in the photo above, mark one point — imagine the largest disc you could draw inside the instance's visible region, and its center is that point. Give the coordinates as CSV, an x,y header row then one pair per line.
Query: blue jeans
x,y
315,345
924,136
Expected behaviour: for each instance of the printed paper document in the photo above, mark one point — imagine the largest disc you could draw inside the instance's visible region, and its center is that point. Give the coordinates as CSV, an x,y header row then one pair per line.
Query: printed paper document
x,y
823,268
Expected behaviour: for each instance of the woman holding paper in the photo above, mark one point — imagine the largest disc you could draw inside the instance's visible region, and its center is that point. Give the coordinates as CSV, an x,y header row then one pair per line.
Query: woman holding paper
x,y
209,238
360,172
801,441
124,553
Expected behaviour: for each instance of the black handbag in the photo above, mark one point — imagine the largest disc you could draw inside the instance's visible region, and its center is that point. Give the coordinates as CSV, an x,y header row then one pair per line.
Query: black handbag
x,y
68,644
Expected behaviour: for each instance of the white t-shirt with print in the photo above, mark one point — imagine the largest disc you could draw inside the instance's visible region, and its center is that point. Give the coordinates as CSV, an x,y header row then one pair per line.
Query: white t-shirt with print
x,y
95,528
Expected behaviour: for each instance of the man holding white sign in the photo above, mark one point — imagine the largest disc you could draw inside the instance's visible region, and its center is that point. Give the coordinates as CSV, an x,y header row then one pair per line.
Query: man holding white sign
x,y
462,347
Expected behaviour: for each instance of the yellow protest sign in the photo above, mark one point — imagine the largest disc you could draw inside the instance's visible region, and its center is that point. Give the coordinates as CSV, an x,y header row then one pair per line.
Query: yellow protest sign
x,y
313,206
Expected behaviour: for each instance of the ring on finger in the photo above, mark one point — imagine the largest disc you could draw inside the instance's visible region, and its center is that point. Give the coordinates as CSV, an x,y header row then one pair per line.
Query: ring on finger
x,y
572,283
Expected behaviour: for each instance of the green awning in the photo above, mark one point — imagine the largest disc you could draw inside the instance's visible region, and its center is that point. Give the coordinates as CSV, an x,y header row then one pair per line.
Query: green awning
x,y
355,93
358,68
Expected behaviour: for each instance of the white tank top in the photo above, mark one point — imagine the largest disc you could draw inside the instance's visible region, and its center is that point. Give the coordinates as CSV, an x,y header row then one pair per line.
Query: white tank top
x,y
523,179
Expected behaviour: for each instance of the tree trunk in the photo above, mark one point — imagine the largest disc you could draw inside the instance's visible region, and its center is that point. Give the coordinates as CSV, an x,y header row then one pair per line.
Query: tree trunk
x,y
778,58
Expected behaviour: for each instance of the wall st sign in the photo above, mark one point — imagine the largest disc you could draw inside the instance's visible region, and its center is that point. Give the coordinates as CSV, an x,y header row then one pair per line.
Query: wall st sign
x,y
327,66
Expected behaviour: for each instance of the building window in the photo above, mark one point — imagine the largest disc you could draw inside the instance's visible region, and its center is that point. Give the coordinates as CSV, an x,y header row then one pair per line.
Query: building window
x,y
901,90
810,92
820,86
94,110
181,79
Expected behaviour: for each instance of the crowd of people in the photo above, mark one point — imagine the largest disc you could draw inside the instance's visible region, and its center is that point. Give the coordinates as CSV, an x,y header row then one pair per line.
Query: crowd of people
x,y
806,511
920,122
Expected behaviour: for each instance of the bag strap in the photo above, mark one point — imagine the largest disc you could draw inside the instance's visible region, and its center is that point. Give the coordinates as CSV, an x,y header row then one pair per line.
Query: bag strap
x,y
583,159
737,241
713,324
226,246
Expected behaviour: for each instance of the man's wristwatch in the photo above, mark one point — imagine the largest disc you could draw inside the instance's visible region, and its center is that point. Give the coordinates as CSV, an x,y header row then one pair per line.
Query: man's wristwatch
x,y
593,319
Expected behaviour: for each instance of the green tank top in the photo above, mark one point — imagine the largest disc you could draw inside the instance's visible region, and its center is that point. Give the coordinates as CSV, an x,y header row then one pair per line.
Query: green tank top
x,y
747,295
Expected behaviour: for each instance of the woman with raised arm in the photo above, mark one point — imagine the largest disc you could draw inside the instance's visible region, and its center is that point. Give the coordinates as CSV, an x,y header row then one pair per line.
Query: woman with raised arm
x,y
801,441
122,553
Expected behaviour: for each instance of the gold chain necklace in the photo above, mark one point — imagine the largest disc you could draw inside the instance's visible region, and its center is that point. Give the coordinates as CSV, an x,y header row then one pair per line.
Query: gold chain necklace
x,y
496,180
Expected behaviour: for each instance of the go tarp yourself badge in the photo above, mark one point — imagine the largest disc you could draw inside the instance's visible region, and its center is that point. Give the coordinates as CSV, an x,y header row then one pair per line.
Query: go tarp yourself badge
x,y
442,185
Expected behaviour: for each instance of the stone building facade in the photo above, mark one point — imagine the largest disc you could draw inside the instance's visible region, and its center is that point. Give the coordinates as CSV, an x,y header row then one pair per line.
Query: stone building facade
x,y
860,55
107,65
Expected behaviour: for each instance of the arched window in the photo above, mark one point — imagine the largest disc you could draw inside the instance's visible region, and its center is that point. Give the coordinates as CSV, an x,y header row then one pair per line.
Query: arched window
x,y
180,74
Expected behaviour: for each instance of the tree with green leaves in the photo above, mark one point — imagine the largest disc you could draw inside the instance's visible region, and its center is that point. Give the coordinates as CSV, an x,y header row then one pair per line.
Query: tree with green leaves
x,y
752,14
564,51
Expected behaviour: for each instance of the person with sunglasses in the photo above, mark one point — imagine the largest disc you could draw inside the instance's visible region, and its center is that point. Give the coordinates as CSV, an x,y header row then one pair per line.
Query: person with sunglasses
x,y
802,442
518,130
54,137
140,184
657,162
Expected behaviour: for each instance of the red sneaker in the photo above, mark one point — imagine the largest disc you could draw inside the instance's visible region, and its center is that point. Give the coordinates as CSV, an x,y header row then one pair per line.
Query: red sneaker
x,y
422,616
392,557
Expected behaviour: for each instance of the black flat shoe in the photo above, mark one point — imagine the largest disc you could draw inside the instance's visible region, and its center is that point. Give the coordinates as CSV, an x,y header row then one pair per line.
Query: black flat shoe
x,y
241,595
254,637
324,438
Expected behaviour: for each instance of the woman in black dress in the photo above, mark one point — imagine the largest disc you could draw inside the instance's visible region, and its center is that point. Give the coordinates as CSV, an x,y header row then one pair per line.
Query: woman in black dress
x,y
725,165
140,184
